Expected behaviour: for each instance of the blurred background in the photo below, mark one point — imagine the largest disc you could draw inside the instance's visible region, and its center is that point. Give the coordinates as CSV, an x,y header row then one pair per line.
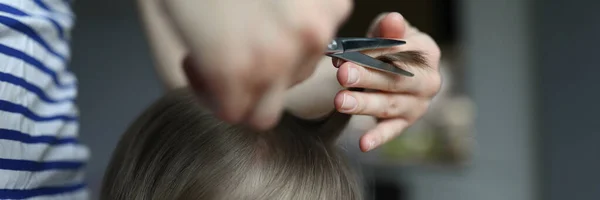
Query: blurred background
x,y
523,73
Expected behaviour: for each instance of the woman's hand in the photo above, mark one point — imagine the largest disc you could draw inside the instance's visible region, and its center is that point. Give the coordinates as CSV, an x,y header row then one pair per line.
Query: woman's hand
x,y
245,54
397,101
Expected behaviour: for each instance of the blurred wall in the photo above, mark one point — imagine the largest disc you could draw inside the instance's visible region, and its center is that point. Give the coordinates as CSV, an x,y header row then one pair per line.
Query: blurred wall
x,y
116,78
567,43
495,40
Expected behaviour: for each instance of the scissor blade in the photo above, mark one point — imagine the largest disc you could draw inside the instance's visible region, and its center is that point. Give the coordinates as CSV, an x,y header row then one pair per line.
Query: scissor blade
x,y
361,44
367,61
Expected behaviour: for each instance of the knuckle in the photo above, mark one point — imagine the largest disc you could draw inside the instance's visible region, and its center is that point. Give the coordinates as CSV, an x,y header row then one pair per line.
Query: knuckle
x,y
393,107
385,114
393,86
397,85
434,85
362,103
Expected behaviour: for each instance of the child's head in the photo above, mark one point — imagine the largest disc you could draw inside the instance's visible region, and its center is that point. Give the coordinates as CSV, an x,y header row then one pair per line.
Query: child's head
x,y
176,150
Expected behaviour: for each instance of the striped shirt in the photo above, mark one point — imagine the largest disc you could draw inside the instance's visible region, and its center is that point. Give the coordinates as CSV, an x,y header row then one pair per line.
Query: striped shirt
x,y
40,157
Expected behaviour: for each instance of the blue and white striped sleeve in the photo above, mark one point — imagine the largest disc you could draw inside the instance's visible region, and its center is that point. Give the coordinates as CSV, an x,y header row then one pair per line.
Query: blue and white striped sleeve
x,y
40,156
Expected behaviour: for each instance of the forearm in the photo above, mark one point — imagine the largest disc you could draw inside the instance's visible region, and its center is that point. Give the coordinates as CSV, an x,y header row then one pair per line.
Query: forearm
x,y
166,47
314,97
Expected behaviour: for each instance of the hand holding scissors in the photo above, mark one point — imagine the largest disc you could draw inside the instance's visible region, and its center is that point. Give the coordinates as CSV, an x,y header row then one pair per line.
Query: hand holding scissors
x,y
395,100
348,49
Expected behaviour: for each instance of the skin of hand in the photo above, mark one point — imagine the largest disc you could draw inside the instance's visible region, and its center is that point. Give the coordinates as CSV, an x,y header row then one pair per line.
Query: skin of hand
x,y
243,55
396,101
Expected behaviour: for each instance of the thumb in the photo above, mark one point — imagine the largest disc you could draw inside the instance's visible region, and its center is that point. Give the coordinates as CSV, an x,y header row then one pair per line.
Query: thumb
x,y
388,25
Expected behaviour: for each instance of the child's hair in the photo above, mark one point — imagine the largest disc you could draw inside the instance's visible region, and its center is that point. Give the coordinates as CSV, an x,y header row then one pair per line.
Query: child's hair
x,y
176,150
415,59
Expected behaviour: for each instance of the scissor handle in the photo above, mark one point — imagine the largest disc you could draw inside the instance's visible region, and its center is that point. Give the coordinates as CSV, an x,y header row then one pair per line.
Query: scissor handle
x,y
334,47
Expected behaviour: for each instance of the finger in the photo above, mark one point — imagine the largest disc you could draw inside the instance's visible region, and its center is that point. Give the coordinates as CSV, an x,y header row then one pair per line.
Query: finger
x,y
381,105
385,131
215,101
373,30
273,56
268,109
317,31
306,64
321,21
306,69
425,84
229,83
341,10
388,25
277,56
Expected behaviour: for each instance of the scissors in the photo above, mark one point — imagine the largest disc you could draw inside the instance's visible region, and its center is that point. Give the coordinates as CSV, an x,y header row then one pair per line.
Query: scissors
x,y
348,49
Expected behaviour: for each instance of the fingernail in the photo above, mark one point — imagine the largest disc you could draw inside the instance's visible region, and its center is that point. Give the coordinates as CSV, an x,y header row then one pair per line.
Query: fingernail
x,y
352,76
372,145
338,62
349,102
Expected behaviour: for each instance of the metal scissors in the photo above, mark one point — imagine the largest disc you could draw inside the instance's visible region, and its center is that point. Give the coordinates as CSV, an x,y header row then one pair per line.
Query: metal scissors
x,y
348,49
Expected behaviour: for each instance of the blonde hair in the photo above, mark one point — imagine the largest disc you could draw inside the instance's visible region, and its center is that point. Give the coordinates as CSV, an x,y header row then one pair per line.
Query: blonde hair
x,y
177,150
